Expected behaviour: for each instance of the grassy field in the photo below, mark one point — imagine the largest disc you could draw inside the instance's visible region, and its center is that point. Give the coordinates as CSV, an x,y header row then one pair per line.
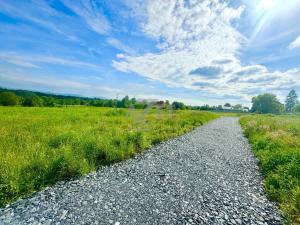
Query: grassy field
x,y
40,146
276,142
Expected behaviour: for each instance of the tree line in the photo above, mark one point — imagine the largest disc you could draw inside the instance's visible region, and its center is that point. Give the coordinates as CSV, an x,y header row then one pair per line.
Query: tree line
x,y
25,98
38,99
265,103
268,103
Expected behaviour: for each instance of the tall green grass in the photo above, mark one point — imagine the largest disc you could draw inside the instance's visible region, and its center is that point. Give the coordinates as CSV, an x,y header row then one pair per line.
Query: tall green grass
x,y
276,142
40,146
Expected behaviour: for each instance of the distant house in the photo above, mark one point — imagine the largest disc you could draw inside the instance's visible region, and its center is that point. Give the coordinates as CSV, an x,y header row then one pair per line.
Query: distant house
x,y
159,104
227,107
155,103
144,100
246,109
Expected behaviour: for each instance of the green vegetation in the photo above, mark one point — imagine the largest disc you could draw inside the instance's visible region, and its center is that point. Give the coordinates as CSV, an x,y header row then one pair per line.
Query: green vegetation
x,y
266,103
38,99
276,142
40,146
177,105
296,109
25,98
291,101
9,99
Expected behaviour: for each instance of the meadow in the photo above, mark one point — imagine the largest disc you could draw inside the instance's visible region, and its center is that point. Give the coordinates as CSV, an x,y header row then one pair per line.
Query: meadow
x,y
275,141
40,146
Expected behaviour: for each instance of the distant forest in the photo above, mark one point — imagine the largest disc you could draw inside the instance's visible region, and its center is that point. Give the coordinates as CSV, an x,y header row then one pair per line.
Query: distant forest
x,y
10,97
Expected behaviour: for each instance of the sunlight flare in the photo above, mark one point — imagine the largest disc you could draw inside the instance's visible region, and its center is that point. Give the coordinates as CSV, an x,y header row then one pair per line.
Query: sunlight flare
x,y
267,5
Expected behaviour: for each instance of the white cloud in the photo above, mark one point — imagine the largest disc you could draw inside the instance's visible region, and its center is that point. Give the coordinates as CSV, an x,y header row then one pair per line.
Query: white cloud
x,y
56,85
17,61
89,11
181,24
200,34
119,45
295,43
190,35
26,60
38,12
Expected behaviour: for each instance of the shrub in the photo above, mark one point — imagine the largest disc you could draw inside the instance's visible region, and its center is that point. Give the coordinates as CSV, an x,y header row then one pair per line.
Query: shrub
x,y
32,101
9,99
177,105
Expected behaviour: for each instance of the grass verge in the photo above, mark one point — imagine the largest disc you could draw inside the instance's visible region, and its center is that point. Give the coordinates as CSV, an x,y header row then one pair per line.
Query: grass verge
x,y
275,141
40,146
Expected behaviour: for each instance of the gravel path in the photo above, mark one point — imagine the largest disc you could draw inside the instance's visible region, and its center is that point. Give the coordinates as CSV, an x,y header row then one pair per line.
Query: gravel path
x,y
207,176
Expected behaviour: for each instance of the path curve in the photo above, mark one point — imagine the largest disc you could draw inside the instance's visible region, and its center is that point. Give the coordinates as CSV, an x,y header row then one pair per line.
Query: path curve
x,y
207,176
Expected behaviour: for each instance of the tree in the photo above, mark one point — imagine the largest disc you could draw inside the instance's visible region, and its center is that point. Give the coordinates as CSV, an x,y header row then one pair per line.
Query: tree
x,y
296,109
82,102
133,101
205,107
124,103
76,101
291,101
49,101
9,99
33,101
246,109
167,104
111,103
178,105
238,107
266,103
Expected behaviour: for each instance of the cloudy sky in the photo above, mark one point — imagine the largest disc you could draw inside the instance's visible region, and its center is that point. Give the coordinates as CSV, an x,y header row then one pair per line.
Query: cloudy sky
x,y
195,51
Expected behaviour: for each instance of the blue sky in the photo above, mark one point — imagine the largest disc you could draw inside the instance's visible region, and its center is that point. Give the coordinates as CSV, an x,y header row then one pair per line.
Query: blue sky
x,y
196,51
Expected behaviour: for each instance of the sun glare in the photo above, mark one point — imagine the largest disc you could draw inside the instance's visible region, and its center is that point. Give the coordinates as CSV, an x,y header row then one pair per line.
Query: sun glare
x,y
267,5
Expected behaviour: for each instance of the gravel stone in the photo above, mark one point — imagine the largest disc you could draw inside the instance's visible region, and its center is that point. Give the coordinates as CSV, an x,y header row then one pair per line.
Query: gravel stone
x,y
207,176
